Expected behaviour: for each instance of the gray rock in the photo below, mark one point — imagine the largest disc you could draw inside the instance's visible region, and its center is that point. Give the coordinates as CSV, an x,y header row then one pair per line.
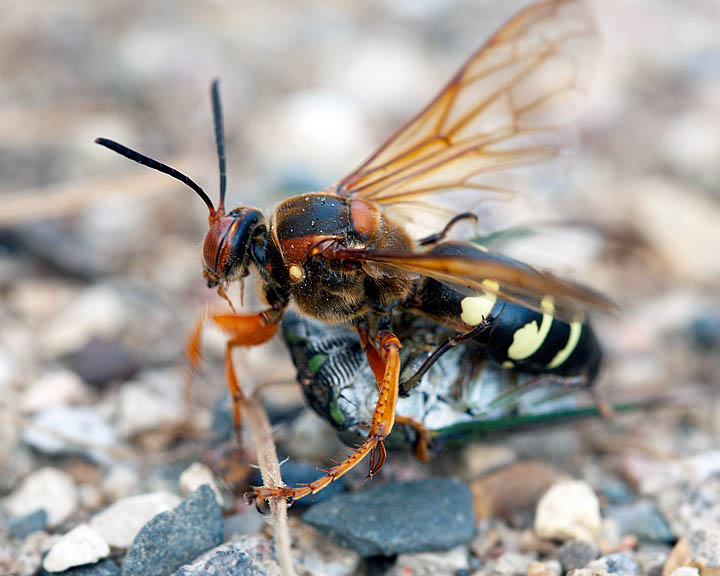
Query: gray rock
x,y
432,514
621,564
576,554
174,538
642,519
105,568
251,556
22,526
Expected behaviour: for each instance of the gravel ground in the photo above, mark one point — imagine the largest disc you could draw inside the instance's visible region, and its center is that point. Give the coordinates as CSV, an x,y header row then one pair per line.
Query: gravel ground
x,y
103,459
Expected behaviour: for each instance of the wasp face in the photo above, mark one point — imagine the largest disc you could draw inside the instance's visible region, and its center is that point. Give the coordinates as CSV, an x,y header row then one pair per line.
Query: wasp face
x,y
226,252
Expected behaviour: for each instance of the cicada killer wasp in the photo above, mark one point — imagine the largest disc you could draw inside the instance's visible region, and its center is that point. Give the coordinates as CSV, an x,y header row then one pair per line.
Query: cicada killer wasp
x,y
346,255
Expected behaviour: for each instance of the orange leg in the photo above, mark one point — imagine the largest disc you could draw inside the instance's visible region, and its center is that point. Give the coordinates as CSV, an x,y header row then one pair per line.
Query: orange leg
x,y
244,330
381,425
422,446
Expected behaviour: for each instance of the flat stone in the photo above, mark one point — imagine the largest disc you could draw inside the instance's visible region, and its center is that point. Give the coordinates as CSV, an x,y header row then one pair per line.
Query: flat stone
x,y
568,510
120,522
420,516
82,545
22,526
251,556
49,489
174,538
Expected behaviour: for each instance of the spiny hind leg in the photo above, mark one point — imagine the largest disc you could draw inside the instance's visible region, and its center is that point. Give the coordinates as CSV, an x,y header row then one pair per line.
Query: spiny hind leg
x,y
382,424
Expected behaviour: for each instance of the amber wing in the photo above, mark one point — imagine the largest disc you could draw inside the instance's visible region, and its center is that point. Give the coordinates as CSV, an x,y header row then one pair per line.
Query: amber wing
x,y
508,106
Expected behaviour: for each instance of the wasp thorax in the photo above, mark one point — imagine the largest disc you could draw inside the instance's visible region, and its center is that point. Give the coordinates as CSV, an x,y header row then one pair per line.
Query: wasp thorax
x,y
227,245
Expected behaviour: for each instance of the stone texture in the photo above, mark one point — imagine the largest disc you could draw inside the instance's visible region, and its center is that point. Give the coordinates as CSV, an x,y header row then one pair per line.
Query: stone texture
x,y
432,514
174,538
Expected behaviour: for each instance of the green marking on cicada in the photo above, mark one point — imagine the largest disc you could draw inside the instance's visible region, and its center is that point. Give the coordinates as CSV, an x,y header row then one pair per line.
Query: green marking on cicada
x,y
336,412
316,362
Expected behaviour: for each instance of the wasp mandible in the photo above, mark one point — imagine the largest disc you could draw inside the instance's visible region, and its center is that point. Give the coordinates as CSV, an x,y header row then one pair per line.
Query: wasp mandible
x,y
346,255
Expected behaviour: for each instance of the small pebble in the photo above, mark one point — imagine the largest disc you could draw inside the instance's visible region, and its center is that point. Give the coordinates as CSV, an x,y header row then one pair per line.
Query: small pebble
x,y
102,361
431,514
120,522
568,510
174,538
576,554
195,476
82,545
53,389
621,564
22,526
49,489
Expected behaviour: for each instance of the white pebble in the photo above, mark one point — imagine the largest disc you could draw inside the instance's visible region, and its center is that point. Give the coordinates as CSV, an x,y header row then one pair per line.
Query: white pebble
x,y
568,510
195,476
53,389
685,571
48,488
119,523
82,545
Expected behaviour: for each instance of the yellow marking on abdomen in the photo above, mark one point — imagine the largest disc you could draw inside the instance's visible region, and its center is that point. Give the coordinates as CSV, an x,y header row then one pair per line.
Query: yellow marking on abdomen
x,y
476,308
572,341
528,339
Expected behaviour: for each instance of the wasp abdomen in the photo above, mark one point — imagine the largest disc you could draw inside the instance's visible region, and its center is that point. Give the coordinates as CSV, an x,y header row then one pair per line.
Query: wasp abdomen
x,y
516,337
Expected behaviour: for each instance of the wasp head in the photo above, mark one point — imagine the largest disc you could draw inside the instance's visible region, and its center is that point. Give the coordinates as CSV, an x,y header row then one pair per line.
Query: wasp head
x,y
229,244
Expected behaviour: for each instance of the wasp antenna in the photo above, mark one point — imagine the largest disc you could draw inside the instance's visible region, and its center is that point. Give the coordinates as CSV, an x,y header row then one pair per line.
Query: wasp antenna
x,y
159,166
219,140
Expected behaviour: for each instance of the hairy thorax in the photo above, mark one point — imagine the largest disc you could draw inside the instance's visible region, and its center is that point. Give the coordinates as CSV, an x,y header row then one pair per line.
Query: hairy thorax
x,y
331,290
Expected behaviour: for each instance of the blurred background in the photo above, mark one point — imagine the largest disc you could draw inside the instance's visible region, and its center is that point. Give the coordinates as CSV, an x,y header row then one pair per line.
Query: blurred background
x,y
100,259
